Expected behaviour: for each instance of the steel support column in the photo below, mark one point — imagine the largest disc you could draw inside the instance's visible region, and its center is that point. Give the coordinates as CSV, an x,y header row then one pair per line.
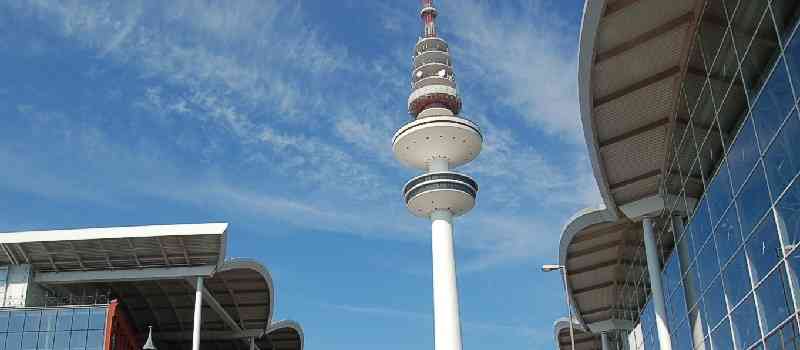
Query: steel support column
x,y
198,311
654,271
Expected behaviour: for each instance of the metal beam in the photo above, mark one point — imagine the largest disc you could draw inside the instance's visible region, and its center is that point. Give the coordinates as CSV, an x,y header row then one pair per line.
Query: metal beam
x,y
635,132
123,275
644,37
212,335
217,307
655,78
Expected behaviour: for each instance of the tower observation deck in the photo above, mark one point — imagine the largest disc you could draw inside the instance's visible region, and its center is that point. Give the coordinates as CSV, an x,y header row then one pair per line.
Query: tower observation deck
x,y
435,141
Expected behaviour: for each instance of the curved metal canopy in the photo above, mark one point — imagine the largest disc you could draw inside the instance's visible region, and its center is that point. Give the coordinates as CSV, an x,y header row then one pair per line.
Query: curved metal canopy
x,y
631,62
583,339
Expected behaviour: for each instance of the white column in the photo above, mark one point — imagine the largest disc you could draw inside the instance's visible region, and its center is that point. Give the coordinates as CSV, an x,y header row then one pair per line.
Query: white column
x,y
198,310
604,338
447,323
654,270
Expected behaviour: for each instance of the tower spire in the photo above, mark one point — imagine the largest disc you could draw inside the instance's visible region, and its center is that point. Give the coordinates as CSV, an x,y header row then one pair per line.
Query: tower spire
x,y
428,14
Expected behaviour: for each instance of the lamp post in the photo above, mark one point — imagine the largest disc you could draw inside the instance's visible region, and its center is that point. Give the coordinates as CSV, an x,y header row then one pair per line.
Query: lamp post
x,y
563,270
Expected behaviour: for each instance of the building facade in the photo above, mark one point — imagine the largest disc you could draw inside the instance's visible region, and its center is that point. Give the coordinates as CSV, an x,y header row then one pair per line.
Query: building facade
x,y
690,110
167,286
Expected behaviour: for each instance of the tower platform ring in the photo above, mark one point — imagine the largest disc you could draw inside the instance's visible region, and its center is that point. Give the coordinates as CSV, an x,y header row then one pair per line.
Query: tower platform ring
x,y
450,191
422,140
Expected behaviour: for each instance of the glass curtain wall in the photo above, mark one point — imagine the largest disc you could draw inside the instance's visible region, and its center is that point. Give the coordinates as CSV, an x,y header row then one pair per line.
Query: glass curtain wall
x,y
731,280
68,328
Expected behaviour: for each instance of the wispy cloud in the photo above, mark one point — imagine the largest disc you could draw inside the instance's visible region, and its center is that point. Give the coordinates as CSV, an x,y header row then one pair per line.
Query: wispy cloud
x,y
527,55
251,89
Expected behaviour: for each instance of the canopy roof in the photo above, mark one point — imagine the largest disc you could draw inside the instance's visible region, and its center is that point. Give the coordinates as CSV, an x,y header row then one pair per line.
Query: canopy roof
x,y
583,339
115,248
631,63
153,271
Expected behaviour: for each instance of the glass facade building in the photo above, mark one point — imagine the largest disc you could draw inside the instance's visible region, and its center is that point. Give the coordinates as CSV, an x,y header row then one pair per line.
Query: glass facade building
x,y
730,270
63,328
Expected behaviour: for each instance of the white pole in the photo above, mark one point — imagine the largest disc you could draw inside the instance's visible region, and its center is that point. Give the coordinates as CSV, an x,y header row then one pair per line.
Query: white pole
x,y
198,309
569,307
447,323
604,338
654,270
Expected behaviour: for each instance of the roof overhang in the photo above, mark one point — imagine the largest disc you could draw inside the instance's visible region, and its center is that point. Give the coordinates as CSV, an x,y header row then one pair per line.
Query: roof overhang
x,y
600,253
583,339
632,59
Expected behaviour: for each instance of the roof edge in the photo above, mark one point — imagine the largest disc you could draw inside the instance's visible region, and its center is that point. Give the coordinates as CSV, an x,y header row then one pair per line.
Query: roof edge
x,y
289,324
578,222
590,25
252,264
114,232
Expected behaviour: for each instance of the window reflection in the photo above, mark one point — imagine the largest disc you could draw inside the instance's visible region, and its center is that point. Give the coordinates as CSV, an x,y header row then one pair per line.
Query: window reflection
x,y
774,103
774,299
54,329
737,279
745,324
753,201
783,157
764,249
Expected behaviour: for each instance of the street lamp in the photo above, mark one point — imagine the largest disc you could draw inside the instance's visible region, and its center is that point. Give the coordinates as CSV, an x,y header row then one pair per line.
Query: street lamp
x,y
563,269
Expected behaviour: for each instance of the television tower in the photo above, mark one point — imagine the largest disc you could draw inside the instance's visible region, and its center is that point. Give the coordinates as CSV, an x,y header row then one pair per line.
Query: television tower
x,y
436,141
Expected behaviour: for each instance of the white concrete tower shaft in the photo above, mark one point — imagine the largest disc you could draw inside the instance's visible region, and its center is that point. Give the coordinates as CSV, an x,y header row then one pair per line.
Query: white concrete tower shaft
x,y
436,141
447,321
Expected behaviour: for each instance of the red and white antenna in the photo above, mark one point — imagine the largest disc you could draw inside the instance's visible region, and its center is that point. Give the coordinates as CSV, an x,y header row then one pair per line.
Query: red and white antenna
x,y
428,14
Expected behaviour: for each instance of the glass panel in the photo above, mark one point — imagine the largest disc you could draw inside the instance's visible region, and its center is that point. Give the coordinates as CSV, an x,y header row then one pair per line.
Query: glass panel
x,y
792,55
682,338
98,318
745,324
714,301
29,340
671,275
80,320
783,157
774,299
707,263
699,227
95,340
742,155
728,237
676,307
789,214
721,338
32,319
46,340
17,321
719,194
753,201
3,321
14,341
737,279
764,249
774,103
786,338
61,341
49,318
77,340
64,320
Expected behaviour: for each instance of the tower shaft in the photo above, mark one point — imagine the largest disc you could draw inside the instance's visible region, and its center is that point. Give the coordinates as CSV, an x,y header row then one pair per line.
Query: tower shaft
x,y
447,322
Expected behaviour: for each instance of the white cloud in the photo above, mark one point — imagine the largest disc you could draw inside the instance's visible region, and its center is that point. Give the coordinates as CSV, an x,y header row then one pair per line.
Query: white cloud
x,y
527,55
274,92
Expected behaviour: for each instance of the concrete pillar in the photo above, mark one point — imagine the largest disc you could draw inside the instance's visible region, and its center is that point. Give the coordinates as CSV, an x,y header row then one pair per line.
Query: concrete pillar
x,y
447,323
657,295
604,338
198,311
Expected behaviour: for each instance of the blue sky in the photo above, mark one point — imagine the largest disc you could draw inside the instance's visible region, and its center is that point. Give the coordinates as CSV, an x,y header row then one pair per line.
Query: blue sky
x,y
277,116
